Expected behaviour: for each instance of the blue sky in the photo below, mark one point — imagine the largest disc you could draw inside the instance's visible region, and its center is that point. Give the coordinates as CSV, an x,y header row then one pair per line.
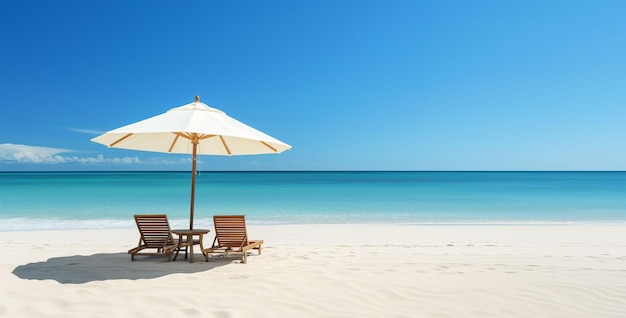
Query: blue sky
x,y
351,85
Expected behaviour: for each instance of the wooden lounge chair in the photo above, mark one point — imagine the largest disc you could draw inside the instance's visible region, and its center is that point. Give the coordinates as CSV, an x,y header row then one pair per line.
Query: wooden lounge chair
x,y
231,237
154,230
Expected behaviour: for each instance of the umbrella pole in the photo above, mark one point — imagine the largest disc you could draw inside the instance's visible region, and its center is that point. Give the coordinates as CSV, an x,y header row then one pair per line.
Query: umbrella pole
x,y
194,141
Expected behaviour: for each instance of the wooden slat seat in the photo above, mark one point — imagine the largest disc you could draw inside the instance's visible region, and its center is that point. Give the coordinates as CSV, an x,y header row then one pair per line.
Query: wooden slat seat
x,y
154,230
231,237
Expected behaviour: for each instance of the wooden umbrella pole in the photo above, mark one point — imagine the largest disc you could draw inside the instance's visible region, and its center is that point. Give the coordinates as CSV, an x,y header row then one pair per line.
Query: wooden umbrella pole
x,y
194,141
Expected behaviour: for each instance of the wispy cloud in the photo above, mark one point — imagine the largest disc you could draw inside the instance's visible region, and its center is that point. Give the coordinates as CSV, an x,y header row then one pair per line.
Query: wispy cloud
x,y
85,131
12,153
170,161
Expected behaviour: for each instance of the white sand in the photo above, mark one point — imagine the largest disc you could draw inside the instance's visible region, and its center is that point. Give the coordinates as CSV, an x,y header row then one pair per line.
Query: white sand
x,y
325,271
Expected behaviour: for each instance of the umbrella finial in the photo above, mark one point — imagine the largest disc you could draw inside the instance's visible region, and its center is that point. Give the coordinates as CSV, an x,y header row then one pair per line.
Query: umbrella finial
x,y
197,98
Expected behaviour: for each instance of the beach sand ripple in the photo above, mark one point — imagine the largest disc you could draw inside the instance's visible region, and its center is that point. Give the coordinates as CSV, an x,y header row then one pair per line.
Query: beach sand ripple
x,y
326,271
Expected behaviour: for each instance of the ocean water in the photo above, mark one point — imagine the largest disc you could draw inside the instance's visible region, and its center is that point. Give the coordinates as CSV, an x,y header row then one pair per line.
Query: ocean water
x,y
85,200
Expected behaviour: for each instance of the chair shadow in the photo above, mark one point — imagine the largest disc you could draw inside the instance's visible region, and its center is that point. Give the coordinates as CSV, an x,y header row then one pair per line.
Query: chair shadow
x,y
79,269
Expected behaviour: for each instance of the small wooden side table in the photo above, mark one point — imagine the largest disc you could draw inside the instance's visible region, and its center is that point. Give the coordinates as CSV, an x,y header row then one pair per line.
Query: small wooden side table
x,y
189,234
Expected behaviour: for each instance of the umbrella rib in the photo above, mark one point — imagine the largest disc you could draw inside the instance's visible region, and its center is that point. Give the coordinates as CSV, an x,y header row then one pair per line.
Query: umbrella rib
x,y
179,134
268,146
120,140
173,143
225,146
207,137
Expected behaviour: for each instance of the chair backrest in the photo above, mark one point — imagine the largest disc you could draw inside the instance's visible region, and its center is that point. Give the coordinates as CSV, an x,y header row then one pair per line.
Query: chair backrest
x,y
154,230
230,230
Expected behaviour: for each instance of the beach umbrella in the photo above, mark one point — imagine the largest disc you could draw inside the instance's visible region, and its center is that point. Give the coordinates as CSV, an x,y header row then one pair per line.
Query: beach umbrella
x,y
195,129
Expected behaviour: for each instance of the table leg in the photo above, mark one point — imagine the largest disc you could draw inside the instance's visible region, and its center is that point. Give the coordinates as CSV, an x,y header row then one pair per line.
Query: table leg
x,y
177,247
190,242
206,256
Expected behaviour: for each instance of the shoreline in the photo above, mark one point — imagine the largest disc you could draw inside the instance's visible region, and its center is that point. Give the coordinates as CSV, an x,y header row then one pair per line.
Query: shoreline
x,y
340,270
16,224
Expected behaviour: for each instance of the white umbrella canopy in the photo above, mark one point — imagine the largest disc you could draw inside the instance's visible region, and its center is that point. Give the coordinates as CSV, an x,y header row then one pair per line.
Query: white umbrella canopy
x,y
193,129
175,130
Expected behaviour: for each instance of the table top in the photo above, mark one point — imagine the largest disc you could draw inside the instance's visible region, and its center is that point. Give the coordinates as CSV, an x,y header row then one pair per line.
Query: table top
x,y
190,232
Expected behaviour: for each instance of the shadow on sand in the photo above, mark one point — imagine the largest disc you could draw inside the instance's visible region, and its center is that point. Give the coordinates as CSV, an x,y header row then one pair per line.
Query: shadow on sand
x,y
80,269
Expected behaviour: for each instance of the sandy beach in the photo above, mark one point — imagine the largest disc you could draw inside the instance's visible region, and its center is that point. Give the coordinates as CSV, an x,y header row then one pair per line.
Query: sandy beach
x,y
325,271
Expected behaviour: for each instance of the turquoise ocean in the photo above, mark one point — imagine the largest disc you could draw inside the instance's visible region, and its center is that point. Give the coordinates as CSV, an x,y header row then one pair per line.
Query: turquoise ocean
x,y
87,200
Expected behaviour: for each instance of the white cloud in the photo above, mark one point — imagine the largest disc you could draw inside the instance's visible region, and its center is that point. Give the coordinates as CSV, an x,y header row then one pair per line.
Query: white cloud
x,y
86,131
12,153
171,161
30,154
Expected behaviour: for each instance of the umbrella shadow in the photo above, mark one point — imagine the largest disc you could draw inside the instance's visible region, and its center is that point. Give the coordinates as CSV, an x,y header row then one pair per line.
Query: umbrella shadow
x,y
79,269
